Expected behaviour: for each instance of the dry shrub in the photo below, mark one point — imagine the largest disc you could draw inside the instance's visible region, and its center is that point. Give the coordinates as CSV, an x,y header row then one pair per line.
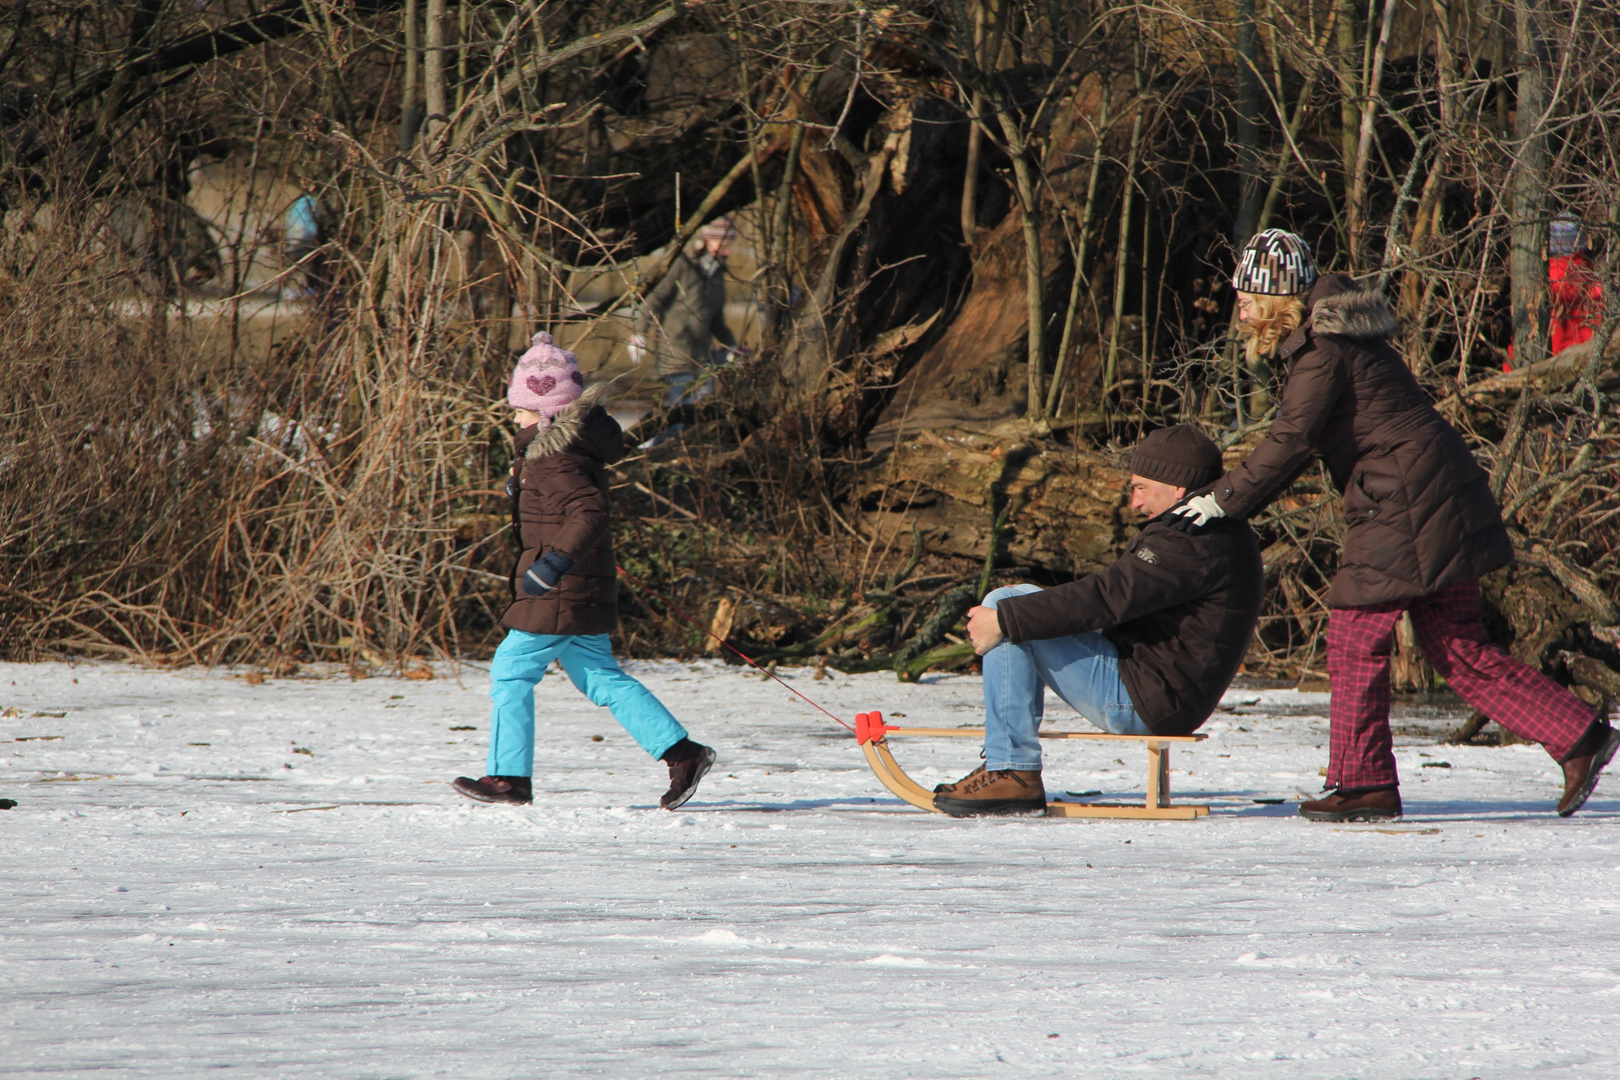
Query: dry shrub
x,y
163,499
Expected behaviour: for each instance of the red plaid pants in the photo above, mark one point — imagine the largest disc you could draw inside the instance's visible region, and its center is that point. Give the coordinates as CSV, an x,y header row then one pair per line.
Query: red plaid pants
x,y
1453,638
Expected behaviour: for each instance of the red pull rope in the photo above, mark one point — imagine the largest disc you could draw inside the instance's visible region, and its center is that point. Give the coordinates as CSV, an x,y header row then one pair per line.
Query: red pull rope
x,y
724,643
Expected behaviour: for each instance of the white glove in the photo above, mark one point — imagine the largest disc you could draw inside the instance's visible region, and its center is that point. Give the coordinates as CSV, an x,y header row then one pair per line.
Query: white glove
x,y
637,347
1202,509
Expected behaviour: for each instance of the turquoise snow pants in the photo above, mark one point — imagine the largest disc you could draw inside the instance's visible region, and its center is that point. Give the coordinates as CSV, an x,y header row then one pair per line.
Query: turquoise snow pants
x,y
520,663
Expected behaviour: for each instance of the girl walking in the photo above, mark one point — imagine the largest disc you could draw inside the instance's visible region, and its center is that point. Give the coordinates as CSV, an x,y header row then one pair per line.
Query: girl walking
x,y
565,592
1421,528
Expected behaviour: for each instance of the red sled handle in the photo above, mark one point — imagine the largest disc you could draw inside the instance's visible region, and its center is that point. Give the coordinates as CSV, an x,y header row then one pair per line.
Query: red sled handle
x,y
869,727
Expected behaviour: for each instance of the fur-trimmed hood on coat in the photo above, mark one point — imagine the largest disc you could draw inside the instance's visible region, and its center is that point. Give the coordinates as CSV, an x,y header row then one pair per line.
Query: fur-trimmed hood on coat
x,y
1418,509
1339,306
585,423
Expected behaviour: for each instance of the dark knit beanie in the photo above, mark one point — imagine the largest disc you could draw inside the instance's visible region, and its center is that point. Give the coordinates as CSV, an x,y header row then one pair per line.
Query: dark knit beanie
x,y
1181,456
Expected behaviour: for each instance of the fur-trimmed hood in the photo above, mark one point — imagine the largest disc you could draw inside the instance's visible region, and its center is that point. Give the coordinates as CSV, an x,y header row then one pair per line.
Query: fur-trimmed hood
x,y
1339,306
585,423
1418,509
562,503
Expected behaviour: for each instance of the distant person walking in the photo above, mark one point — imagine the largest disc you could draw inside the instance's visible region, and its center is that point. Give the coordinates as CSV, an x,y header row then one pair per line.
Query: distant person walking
x,y
301,247
565,587
1422,528
688,309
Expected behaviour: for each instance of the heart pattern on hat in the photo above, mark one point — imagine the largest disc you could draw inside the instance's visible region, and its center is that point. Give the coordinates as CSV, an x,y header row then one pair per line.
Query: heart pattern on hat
x,y
546,379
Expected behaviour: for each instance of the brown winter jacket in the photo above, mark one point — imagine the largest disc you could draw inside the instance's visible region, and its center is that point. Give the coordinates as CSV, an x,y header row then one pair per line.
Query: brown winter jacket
x,y
1419,509
562,505
1179,607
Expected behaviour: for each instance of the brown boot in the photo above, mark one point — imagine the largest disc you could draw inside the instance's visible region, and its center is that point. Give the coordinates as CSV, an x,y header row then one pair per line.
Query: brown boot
x,y
950,789
688,763
1001,792
1594,751
507,789
1365,804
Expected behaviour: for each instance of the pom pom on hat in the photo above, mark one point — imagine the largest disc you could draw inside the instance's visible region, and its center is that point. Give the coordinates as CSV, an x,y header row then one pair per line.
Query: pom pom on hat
x,y
546,380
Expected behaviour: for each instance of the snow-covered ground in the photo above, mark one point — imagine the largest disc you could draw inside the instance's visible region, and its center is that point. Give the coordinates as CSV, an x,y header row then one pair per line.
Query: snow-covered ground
x,y
202,874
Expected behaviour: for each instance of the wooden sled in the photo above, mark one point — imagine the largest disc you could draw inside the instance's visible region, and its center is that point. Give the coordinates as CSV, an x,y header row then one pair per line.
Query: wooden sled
x,y
872,734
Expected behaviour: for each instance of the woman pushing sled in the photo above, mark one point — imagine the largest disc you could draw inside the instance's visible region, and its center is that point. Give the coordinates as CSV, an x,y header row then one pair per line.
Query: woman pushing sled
x,y
1422,528
564,584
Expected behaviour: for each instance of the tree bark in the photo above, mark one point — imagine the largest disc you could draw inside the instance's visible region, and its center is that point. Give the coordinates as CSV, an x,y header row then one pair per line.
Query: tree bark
x,y
780,295
1358,184
1034,281
477,110
1349,110
1081,250
198,49
970,174
438,105
1122,252
1248,125
1527,257
410,110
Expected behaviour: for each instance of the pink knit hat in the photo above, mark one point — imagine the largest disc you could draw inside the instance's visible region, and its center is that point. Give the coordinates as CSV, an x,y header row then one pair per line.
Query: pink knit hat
x,y
546,379
719,229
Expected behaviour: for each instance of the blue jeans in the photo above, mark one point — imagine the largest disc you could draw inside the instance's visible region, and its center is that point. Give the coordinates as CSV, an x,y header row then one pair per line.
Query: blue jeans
x,y
680,391
520,663
1084,670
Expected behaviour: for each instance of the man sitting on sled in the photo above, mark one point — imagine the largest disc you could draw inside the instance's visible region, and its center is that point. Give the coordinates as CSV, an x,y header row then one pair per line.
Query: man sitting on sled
x,y
1146,647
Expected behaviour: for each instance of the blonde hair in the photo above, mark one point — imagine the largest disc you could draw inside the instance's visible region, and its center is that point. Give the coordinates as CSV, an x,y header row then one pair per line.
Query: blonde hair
x,y
1274,319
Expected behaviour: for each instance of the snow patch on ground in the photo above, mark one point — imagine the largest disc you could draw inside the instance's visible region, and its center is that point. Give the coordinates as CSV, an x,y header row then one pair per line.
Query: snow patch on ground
x,y
201,874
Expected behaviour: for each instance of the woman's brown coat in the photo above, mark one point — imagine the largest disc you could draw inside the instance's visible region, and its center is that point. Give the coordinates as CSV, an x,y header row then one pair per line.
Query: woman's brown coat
x,y
1419,509
562,505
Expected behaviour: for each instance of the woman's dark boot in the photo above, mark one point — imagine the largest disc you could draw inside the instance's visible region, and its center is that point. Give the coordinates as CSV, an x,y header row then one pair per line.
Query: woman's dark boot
x,y
1594,751
506,789
688,763
1364,804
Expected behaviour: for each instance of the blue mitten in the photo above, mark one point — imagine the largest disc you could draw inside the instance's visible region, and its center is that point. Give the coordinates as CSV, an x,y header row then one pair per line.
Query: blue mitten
x,y
545,572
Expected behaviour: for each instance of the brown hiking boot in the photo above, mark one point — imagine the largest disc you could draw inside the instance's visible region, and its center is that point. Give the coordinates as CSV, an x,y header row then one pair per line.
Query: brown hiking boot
x,y
688,763
1002,792
506,789
950,789
1594,751
1367,804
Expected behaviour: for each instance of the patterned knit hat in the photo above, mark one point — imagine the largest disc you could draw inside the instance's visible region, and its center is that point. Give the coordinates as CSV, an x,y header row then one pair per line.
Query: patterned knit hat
x,y
1274,263
546,379
719,230
1565,236
1181,456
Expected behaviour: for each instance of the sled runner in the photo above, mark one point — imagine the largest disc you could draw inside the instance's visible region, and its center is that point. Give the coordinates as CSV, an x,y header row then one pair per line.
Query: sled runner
x,y
872,734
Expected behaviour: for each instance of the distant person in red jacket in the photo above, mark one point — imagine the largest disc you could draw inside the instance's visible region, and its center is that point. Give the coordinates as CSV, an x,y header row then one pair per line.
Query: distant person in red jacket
x,y
1572,283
